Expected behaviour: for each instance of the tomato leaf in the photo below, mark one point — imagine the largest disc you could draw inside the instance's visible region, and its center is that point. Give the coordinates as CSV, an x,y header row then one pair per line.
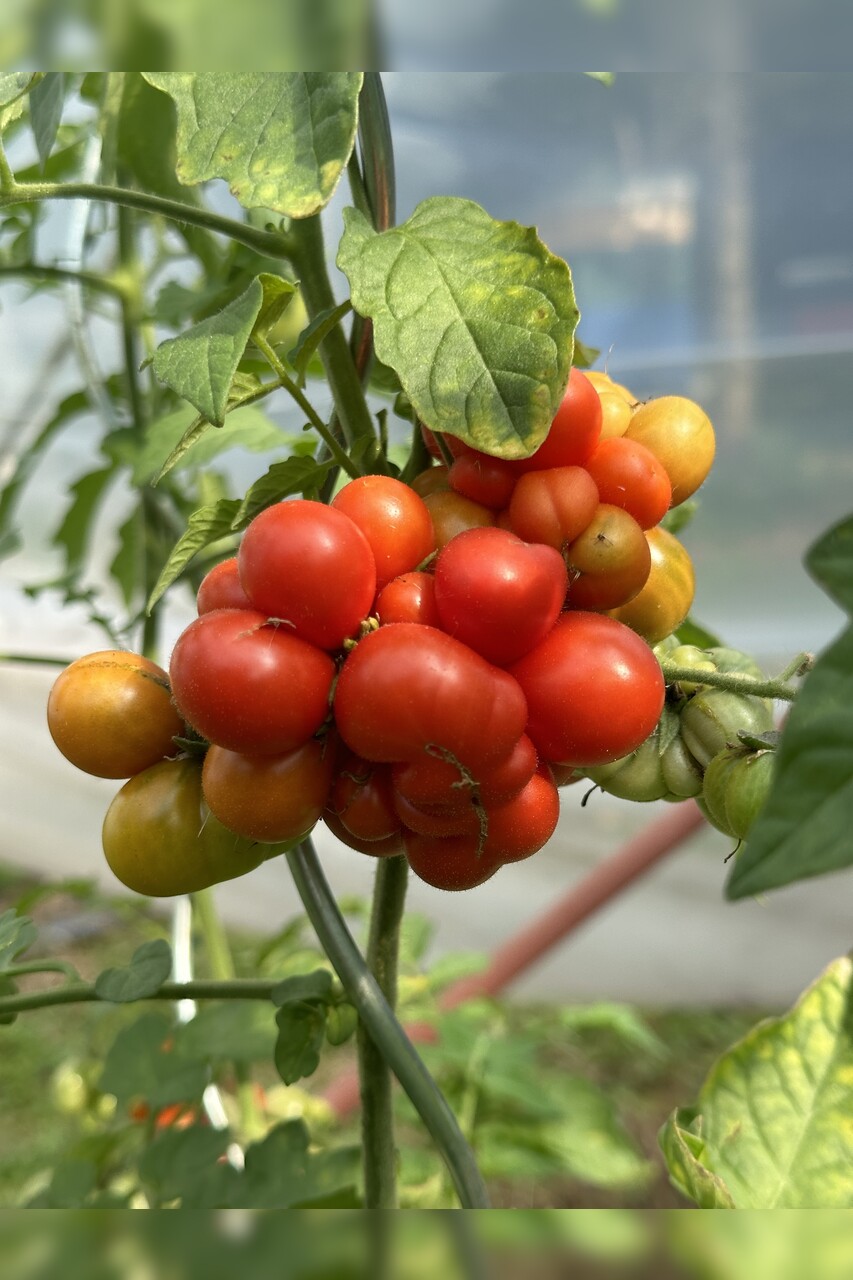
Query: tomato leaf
x,y
46,102
14,84
803,829
17,933
150,966
692,632
475,316
181,1164
75,531
583,356
314,333
293,475
302,987
773,1114
282,1172
245,428
683,1150
24,465
229,1031
280,139
141,1063
207,525
278,295
200,365
301,1028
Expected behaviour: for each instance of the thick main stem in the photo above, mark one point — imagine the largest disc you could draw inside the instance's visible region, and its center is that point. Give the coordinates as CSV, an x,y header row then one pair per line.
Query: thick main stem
x,y
386,1032
377,1111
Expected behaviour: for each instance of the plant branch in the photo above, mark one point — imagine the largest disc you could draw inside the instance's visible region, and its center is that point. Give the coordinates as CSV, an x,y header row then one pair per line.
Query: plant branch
x,y
84,993
377,1111
374,1011
102,284
270,244
733,681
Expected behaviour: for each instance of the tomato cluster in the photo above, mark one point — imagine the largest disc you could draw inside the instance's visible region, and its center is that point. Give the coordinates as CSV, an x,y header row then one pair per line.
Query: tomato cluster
x,y
418,668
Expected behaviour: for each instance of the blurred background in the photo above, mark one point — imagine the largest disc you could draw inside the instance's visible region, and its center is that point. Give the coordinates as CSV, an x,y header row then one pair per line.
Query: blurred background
x,y
706,217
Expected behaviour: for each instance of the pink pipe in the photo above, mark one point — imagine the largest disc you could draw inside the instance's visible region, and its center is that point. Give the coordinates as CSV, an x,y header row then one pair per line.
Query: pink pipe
x,y
606,881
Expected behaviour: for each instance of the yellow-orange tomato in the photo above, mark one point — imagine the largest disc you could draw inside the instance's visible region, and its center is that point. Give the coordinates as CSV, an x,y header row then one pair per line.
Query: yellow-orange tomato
x,y
111,714
161,839
605,385
616,413
665,600
679,433
269,798
452,514
433,480
609,562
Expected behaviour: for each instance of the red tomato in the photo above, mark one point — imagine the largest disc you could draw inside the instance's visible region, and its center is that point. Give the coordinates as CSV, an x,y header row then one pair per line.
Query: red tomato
x,y
433,783
409,598
310,566
221,588
432,480
452,514
519,828
394,521
497,594
573,434
553,506
609,562
456,446
453,862
628,475
456,822
268,798
390,847
594,689
407,689
363,799
248,684
484,479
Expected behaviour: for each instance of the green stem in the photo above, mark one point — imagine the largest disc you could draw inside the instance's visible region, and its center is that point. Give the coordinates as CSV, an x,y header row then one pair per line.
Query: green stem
x,y
102,284
306,252
798,666
42,966
374,1011
84,993
341,457
35,660
733,681
377,1111
270,244
374,131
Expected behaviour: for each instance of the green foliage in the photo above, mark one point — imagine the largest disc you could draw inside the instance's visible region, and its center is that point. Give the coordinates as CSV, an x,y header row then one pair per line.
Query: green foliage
x,y
150,966
47,99
771,1126
475,316
804,828
280,139
17,934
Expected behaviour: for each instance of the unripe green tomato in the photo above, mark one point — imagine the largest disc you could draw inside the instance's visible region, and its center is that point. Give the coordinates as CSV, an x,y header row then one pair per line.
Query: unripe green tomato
x,y
711,719
689,655
681,771
636,776
664,648
733,661
736,787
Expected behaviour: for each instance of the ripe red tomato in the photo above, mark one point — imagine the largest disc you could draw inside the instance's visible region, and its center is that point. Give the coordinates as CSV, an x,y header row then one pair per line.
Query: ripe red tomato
x,y
249,684
409,689
268,798
363,799
394,521
110,713
389,847
409,598
594,689
456,446
484,479
432,480
221,588
498,594
628,475
573,434
453,863
553,506
310,566
609,562
523,825
432,783
453,822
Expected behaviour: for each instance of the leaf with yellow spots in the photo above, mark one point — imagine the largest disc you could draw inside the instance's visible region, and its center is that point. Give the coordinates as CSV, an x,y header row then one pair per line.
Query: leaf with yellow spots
x,y
773,1125
280,139
476,317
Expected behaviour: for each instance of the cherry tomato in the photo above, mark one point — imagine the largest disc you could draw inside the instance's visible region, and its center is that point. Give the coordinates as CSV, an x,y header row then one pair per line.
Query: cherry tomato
x,y
363,799
269,798
573,434
489,481
498,594
390,847
605,385
433,480
160,838
310,566
221,588
394,521
407,689
431,783
628,475
553,506
609,562
681,436
456,446
248,684
737,784
665,599
594,690
452,514
523,825
710,721
453,863
111,714
616,414
464,820
409,598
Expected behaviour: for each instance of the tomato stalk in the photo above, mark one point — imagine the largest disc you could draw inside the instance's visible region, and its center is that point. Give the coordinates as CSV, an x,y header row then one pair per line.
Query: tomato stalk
x,y
733,681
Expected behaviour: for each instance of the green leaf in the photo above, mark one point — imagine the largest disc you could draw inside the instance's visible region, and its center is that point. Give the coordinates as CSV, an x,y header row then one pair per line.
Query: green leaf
x,y
150,966
200,365
142,1063
246,428
583,357
181,1164
301,1028
293,475
678,518
282,1173
603,77
72,406
311,987
683,1151
279,139
232,1030
774,1112
278,295
14,84
206,526
127,566
46,102
692,632
314,333
75,531
71,1186
830,562
17,933
475,316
